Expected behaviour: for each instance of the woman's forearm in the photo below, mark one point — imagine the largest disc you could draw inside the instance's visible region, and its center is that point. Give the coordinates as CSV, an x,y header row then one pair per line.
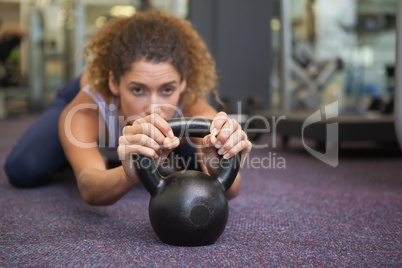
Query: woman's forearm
x,y
104,187
234,189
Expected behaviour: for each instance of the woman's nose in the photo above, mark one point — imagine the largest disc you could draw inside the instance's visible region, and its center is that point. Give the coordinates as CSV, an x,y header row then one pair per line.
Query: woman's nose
x,y
153,106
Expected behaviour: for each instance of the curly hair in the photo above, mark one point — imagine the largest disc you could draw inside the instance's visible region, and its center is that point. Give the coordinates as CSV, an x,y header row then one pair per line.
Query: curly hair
x,y
156,37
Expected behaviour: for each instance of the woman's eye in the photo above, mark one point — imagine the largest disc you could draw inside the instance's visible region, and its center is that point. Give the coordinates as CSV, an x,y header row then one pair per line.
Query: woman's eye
x,y
168,91
137,91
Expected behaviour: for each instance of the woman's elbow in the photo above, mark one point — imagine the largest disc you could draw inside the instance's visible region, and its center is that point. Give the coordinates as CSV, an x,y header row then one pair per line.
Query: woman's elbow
x,y
95,200
92,198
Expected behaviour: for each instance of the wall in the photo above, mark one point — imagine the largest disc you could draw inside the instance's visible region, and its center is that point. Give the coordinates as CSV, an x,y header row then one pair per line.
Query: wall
x,y
239,36
10,13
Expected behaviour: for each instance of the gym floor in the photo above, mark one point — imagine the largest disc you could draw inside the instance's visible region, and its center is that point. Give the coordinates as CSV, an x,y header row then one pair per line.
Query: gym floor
x,y
292,210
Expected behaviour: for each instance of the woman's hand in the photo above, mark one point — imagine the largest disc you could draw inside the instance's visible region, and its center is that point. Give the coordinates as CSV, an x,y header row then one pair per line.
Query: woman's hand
x,y
150,136
226,139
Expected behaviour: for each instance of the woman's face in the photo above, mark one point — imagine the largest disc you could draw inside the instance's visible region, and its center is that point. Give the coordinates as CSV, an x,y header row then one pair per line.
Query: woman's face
x,y
148,88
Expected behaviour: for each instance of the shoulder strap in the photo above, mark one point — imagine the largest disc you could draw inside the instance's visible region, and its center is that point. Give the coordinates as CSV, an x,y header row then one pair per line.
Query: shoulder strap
x,y
108,112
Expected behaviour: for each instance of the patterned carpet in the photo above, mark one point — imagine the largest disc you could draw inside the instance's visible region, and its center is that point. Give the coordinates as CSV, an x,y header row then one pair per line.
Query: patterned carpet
x,y
293,210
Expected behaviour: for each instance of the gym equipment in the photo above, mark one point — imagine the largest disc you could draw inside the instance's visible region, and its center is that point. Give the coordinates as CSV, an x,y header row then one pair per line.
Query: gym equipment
x,y
384,128
253,125
310,76
188,208
398,78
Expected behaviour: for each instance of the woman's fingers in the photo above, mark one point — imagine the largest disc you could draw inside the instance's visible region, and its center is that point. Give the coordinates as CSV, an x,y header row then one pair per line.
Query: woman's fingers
x,y
161,124
169,143
237,142
137,144
207,146
232,141
222,130
243,146
228,137
216,127
147,129
150,136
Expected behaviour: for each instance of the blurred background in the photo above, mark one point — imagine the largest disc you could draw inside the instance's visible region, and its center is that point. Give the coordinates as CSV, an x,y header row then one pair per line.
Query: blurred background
x,y
288,55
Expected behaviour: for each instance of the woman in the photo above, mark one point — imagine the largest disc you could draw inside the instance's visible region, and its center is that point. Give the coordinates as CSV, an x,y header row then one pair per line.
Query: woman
x,y
142,70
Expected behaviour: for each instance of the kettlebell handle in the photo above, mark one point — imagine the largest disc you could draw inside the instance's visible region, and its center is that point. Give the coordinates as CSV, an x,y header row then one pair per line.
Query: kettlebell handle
x,y
186,127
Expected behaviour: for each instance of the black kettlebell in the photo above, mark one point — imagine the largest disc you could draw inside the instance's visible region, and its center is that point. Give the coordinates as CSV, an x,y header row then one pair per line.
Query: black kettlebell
x,y
188,208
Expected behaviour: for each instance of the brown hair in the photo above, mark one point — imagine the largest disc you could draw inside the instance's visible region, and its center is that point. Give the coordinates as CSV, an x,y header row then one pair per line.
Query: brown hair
x,y
156,37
